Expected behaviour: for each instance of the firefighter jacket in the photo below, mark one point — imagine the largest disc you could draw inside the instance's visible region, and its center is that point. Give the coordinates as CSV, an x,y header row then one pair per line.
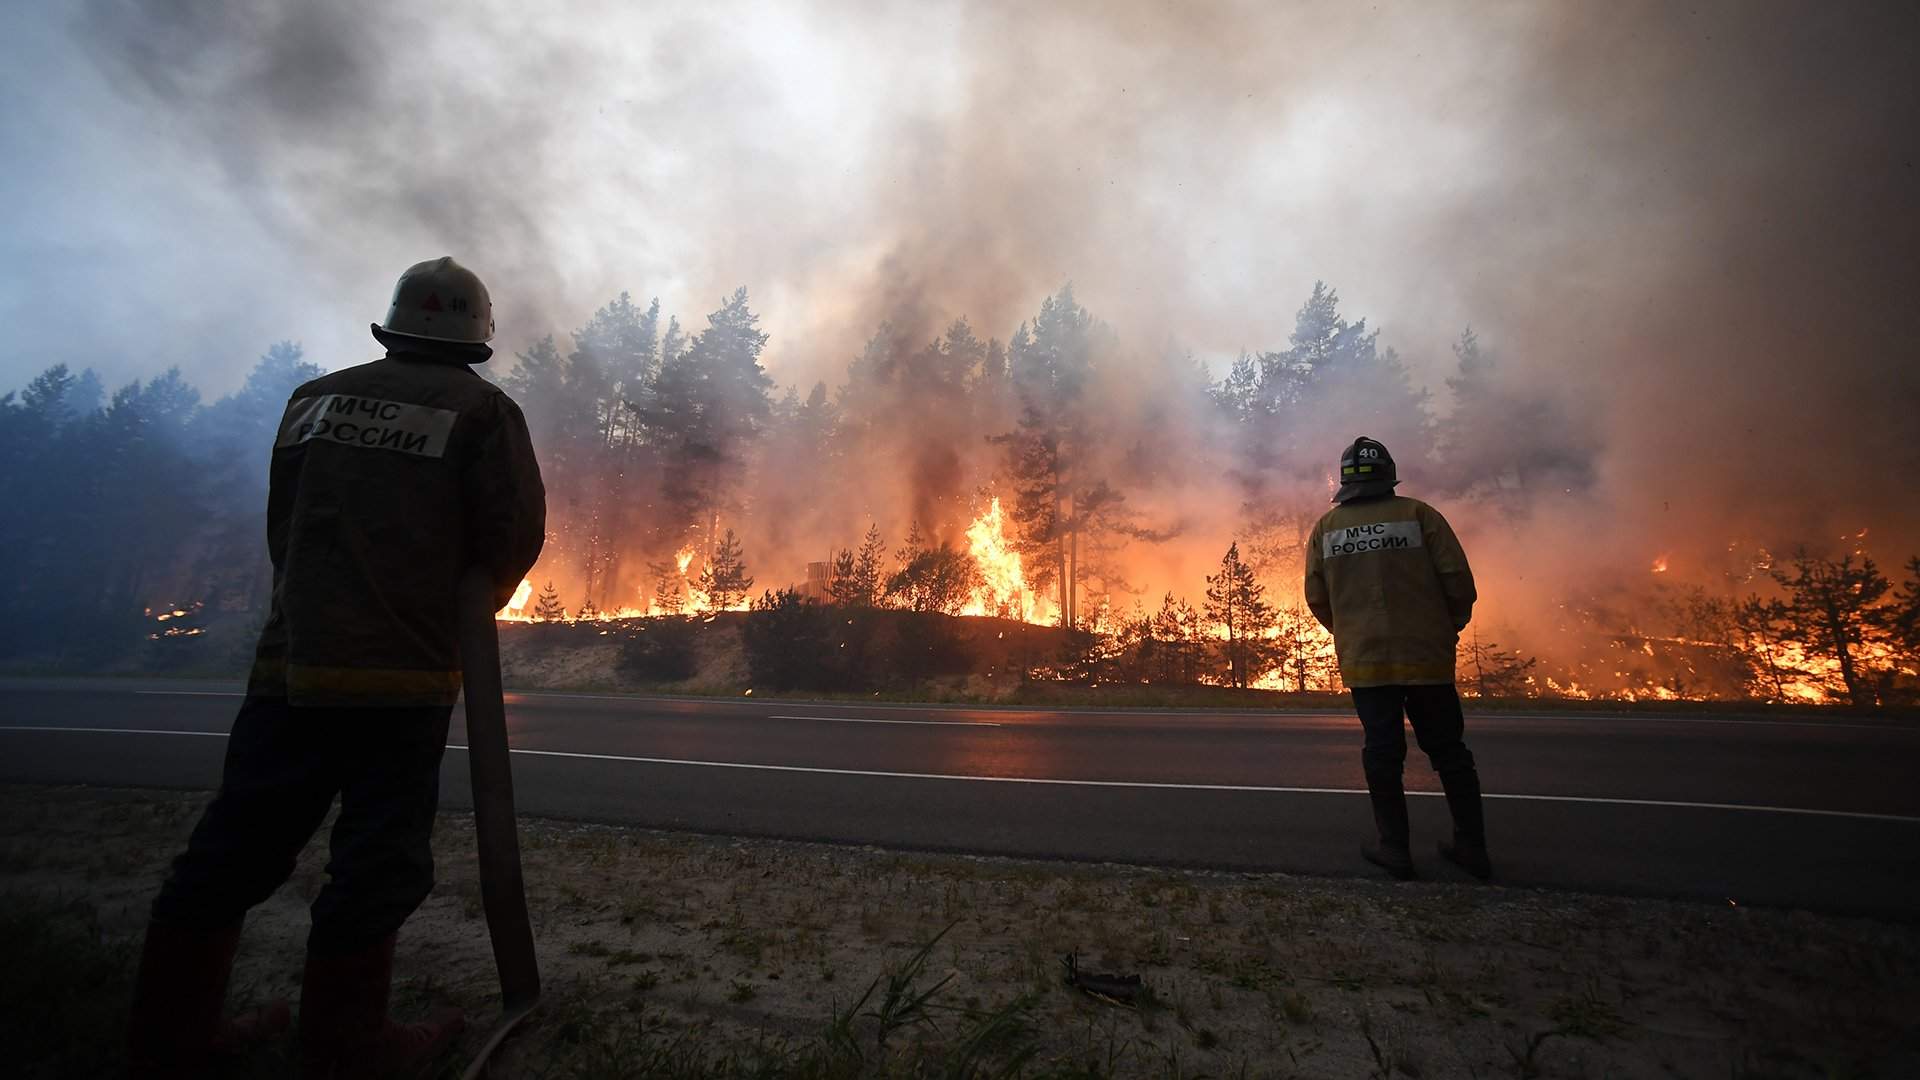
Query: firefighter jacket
x,y
388,480
1389,579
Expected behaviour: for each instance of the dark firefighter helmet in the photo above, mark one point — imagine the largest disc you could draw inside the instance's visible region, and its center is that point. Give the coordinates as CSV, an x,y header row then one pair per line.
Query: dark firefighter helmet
x,y
1366,470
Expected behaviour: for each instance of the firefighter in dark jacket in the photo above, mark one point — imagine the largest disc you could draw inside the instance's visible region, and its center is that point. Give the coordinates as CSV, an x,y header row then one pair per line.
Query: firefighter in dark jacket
x,y
1387,576
388,480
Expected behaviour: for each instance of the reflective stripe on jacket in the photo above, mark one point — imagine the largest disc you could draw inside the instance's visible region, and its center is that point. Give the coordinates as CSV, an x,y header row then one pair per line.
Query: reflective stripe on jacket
x,y
1389,579
387,479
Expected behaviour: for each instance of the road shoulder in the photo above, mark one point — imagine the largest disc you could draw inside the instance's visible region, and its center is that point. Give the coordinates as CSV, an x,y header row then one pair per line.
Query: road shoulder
x,y
729,950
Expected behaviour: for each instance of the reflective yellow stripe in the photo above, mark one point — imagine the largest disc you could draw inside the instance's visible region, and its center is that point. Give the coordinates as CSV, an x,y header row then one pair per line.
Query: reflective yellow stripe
x,y
1389,673
268,677
310,685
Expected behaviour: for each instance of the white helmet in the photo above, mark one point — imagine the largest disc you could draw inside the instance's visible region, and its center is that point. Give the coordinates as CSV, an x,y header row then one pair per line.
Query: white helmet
x,y
440,300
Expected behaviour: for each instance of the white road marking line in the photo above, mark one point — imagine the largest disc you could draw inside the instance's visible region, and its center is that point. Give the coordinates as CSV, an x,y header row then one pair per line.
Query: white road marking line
x,y
874,720
1758,721
1137,784
110,730
194,693
1186,714
1150,784
1240,714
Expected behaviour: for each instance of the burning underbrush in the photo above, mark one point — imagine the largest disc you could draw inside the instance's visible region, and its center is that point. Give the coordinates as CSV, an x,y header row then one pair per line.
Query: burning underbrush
x,y
800,646
968,620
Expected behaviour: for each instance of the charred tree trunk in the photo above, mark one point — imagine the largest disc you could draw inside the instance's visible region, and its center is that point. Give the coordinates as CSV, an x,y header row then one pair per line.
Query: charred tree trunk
x,y
1060,549
1843,651
1073,575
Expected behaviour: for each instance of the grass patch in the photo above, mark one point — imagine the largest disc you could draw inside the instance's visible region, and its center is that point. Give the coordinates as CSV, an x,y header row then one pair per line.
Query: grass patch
x,y
903,1025
776,958
63,994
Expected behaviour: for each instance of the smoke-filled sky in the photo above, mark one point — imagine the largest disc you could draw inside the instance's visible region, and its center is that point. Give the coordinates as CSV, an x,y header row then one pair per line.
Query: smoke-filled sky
x,y
1696,220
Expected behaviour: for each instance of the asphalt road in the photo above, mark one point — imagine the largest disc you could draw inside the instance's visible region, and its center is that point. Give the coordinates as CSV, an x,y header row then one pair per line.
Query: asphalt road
x,y
1816,814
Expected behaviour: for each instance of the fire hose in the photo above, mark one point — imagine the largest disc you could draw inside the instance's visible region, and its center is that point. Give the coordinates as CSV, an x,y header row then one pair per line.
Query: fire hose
x,y
503,893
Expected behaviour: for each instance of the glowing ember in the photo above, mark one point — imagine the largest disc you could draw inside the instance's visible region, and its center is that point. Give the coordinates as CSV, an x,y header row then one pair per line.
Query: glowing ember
x,y
1660,565
175,613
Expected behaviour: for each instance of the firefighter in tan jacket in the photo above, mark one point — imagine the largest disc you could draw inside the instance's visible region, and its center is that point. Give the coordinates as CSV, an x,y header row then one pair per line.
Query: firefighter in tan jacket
x,y
388,480
1387,577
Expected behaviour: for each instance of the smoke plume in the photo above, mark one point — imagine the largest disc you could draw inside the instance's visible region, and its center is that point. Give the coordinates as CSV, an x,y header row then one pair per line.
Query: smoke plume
x,y
1684,235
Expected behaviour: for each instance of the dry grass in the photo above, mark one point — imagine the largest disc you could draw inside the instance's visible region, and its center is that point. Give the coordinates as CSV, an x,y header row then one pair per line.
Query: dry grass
x,y
674,955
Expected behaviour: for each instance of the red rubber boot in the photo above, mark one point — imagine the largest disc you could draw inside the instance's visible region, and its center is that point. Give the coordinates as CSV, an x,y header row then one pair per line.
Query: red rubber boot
x,y
344,1029
175,1028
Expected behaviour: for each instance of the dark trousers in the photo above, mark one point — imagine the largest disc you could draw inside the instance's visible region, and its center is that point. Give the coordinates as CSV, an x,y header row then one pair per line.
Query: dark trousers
x,y
1439,727
284,766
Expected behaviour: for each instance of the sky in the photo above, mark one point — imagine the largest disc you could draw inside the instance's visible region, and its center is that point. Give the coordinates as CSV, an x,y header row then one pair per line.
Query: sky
x,y
1696,219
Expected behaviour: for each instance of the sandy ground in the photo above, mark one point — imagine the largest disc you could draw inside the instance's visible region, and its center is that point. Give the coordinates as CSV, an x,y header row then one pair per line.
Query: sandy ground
x,y
753,946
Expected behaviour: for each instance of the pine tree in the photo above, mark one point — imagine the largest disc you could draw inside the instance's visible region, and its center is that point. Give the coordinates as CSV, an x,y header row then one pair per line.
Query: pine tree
x,y
673,343
1237,395
1504,441
1906,610
1235,606
1033,463
993,365
867,567
621,343
669,590
588,612
840,587
1176,635
1055,499
1492,672
710,405
1759,629
725,580
856,580
228,436
935,579
610,376
547,608
916,543
1302,650
1836,604
1903,624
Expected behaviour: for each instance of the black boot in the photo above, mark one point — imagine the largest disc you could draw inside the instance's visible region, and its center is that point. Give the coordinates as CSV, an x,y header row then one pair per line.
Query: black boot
x,y
1390,852
1468,848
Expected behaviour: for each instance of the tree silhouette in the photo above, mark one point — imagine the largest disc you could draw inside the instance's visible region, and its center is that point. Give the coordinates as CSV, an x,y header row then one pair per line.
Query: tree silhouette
x,y
1906,610
856,580
669,590
725,579
1235,607
547,608
1836,604
1491,672
935,579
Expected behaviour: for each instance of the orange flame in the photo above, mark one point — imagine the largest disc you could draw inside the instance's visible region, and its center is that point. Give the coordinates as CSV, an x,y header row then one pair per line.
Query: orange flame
x,y
516,609
1003,590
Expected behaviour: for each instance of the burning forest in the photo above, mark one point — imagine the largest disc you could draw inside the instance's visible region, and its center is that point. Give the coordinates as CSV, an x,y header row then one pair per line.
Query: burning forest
x,y
1156,517
1055,479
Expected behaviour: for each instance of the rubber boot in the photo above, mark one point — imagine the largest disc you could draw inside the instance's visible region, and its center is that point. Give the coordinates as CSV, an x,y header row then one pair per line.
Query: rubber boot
x,y
175,1028
344,1029
1390,852
1468,848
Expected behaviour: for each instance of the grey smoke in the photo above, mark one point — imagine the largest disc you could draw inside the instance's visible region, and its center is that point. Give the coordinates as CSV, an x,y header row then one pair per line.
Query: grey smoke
x,y
1693,226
